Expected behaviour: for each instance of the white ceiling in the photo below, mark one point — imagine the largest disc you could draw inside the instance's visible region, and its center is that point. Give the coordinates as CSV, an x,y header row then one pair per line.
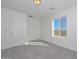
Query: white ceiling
x,y
43,11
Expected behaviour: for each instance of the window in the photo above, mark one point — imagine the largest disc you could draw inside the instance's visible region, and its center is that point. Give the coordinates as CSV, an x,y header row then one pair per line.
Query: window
x,y
59,27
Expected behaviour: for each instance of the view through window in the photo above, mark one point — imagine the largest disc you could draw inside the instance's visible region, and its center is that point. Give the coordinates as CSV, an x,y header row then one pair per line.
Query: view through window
x,y
59,26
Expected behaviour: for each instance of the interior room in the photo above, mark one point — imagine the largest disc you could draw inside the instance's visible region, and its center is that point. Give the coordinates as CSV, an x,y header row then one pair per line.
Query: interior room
x,y
38,29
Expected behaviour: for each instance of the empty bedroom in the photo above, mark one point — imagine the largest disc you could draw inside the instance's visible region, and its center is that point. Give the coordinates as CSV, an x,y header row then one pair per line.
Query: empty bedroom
x,y
38,29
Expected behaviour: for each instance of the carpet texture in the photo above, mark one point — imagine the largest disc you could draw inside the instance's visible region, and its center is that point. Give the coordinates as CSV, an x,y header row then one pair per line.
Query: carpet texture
x,y
38,52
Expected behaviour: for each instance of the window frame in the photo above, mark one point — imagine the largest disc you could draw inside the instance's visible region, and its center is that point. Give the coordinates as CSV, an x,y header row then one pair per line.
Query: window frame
x,y
58,36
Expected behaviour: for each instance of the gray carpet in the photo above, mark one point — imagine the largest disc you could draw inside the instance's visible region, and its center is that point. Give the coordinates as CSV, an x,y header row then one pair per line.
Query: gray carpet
x,y
38,52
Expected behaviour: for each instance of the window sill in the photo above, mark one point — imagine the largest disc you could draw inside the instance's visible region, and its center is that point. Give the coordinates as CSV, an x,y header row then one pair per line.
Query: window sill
x,y
60,37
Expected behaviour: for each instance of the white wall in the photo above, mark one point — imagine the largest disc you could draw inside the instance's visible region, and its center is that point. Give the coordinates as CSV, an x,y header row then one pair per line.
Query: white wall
x,y
71,40
13,28
16,29
33,28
